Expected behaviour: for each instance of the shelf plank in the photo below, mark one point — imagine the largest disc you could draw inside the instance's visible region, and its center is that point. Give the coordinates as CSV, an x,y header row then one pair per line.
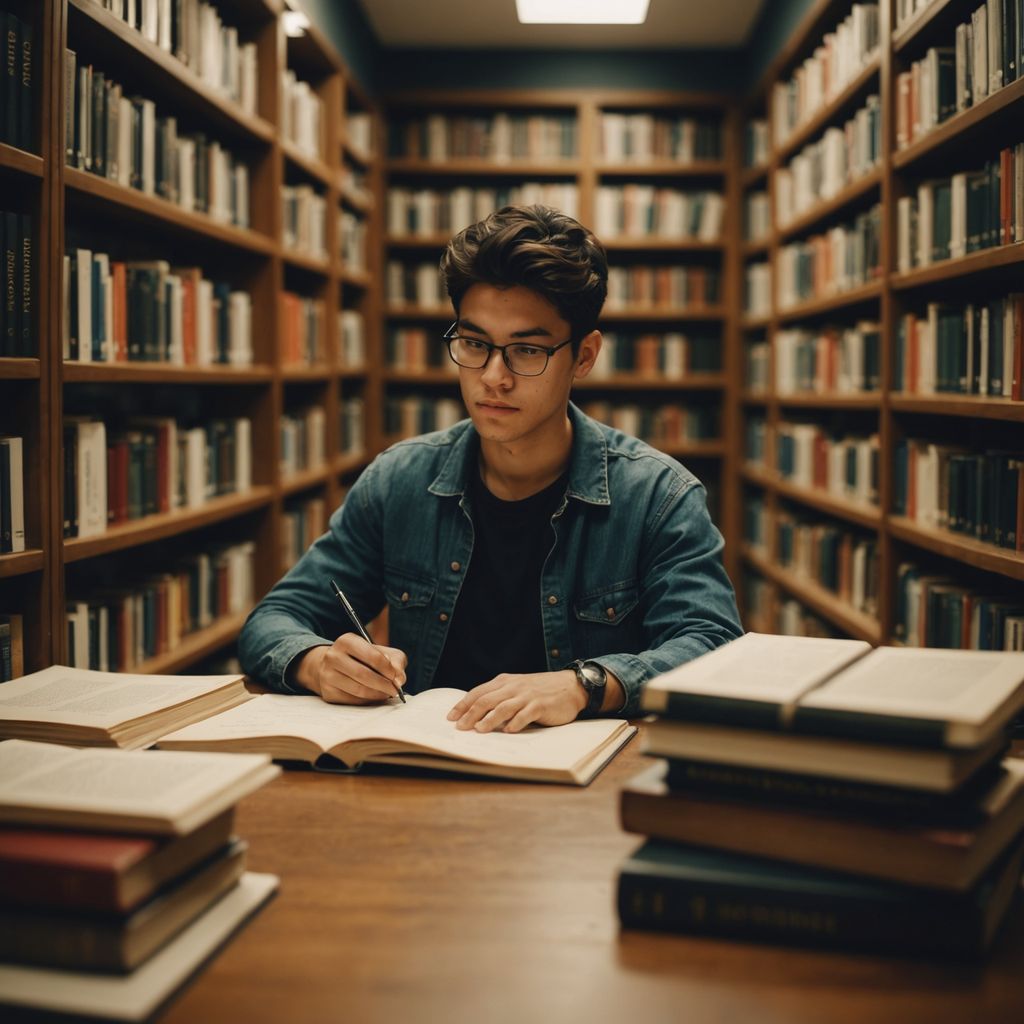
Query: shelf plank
x,y
946,270
353,373
685,314
867,516
756,397
166,524
759,247
314,167
867,400
356,153
170,73
349,462
194,647
305,479
156,373
357,200
959,547
354,277
431,376
20,563
831,303
975,407
170,215
755,323
647,243
751,176
19,369
641,382
662,169
823,211
457,167
319,265
303,372
15,159
819,599
689,449
970,121
419,313
906,33
830,111
429,241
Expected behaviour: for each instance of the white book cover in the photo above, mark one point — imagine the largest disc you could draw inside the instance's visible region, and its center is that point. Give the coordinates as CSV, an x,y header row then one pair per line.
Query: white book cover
x,y
980,75
194,469
83,258
124,142
148,131
243,454
15,487
65,320
995,44
204,322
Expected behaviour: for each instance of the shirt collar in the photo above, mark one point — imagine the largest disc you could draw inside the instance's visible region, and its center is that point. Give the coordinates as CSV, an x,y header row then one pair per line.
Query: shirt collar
x,y
588,462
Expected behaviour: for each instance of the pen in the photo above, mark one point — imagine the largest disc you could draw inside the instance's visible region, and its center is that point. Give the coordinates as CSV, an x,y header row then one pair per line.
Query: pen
x,y
351,612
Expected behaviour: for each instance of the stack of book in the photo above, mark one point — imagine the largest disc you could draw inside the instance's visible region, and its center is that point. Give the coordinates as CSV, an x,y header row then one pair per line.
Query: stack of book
x,y
818,792
120,871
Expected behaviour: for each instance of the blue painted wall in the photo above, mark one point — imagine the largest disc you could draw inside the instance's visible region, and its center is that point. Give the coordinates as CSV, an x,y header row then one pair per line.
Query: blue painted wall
x,y
381,70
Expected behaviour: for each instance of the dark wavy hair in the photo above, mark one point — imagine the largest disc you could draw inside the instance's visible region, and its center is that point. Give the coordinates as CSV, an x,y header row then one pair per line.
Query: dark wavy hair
x,y
538,248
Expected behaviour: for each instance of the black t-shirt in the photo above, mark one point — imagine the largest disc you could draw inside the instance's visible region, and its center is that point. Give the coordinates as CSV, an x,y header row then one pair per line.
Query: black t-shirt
x,y
496,626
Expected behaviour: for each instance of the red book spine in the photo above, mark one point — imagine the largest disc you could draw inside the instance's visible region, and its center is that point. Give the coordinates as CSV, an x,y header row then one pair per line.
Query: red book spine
x,y
120,304
188,318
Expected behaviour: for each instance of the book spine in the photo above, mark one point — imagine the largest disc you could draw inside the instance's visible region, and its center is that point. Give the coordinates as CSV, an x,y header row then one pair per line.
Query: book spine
x,y
911,732
26,261
694,707
26,89
949,927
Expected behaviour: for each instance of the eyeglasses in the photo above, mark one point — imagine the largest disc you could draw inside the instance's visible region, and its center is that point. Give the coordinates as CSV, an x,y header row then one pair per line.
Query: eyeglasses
x,y
521,358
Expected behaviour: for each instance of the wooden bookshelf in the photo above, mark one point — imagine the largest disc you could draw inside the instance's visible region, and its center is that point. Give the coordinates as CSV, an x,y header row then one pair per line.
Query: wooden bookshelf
x,y
69,204
961,142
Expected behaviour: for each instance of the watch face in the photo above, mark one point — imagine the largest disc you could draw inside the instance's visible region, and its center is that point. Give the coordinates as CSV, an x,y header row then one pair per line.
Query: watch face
x,y
594,676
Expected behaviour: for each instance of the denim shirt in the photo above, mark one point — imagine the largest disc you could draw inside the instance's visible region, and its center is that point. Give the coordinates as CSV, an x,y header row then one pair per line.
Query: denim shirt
x,y
633,579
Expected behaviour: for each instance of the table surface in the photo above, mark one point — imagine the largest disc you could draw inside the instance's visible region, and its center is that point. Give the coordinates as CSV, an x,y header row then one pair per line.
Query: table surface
x,y
411,899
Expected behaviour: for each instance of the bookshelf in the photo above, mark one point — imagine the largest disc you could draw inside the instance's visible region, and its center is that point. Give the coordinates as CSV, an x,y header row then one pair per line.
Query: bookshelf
x,y
239,531
972,571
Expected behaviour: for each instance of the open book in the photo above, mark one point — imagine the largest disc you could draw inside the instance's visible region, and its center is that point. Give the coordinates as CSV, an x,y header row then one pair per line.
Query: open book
x,y
416,733
110,709
912,696
150,792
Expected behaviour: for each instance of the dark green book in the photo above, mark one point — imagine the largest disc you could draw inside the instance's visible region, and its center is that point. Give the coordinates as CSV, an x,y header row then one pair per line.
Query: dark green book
x,y
11,244
26,261
676,888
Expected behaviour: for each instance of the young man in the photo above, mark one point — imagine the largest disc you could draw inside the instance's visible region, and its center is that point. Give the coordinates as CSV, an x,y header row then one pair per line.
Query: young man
x,y
543,562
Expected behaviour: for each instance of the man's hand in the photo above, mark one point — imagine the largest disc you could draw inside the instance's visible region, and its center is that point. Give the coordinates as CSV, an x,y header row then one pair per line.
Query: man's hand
x,y
351,671
512,702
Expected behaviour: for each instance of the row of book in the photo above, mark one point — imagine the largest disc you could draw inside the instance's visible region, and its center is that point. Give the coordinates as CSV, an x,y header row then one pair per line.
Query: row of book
x,y
17,83
836,61
416,349
987,54
414,284
302,115
669,356
755,143
352,425
822,169
304,220
643,138
122,139
148,466
303,439
948,218
194,32
757,289
12,646
843,258
149,311
970,349
934,610
820,793
410,415
663,287
829,360
757,365
638,210
359,131
666,424
302,329
808,455
755,440
353,234
757,217
12,495
423,212
832,556
17,319
119,627
499,137
767,609
303,521
978,494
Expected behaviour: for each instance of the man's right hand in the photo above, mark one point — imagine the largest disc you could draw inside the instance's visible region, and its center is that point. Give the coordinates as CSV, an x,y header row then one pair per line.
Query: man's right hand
x,y
352,671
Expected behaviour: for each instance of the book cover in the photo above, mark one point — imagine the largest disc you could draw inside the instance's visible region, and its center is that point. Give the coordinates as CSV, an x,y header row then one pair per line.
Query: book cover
x,y
10,251
26,89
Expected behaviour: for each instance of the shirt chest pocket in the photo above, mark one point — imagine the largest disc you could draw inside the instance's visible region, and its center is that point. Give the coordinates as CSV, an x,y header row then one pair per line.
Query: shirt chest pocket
x,y
409,596
606,619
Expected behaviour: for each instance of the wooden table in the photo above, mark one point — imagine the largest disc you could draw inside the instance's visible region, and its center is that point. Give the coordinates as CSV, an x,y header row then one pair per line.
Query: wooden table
x,y
410,899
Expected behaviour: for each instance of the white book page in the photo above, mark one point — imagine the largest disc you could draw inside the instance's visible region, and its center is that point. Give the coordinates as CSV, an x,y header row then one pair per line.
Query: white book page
x,y
963,686
75,696
758,666
272,714
147,783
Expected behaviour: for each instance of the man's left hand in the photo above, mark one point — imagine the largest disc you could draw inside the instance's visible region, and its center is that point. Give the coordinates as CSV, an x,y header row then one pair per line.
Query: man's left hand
x,y
512,702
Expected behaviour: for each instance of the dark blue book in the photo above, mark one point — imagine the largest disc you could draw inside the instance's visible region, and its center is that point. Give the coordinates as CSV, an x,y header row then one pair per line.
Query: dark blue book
x,y
684,889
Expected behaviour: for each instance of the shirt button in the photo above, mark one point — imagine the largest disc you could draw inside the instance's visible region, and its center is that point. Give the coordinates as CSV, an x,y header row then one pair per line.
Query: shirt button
x,y
554,652
405,596
552,599
443,616
610,612
456,566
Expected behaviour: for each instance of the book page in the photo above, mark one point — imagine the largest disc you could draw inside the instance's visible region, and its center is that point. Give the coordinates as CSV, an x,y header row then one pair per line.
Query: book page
x,y
273,714
944,685
102,699
147,783
758,666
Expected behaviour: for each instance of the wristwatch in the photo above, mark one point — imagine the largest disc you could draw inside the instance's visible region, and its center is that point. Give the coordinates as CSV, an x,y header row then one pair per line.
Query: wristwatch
x,y
593,678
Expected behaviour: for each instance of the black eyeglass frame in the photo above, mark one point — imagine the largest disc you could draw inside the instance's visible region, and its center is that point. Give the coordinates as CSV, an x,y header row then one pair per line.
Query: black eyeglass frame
x,y
450,335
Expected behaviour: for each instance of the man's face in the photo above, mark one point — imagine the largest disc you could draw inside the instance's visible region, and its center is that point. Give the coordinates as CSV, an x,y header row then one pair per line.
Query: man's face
x,y
506,407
